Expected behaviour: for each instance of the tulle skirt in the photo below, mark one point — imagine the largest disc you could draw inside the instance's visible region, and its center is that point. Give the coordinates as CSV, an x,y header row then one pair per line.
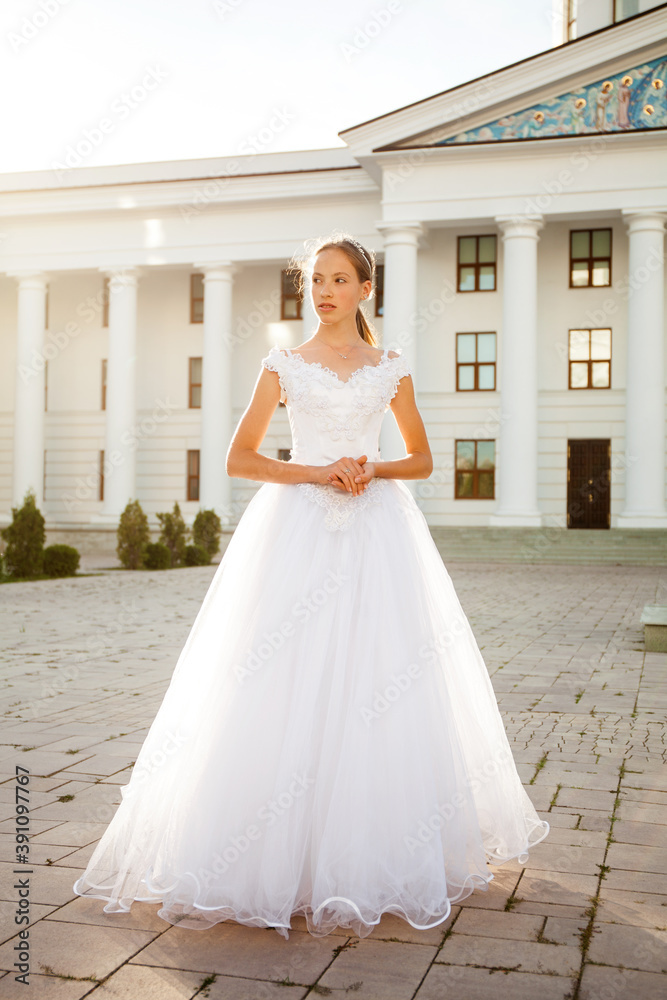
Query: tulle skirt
x,y
329,743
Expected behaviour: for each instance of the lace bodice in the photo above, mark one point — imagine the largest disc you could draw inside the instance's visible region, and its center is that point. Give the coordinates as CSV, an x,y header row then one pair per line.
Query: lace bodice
x,y
330,418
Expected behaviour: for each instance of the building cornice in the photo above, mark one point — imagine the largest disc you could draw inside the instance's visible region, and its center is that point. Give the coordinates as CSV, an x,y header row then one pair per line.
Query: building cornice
x,y
515,86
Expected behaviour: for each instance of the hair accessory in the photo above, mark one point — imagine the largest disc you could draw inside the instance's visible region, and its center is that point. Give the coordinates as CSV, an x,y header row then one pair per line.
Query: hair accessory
x,y
363,250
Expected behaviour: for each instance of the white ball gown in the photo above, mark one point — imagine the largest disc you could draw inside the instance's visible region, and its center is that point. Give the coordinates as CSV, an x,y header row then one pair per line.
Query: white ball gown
x,y
329,743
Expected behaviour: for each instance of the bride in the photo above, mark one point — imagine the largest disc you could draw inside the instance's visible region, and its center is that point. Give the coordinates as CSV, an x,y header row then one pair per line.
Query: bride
x,y
329,743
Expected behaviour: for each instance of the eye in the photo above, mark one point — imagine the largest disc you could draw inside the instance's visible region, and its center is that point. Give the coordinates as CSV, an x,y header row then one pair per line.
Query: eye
x,y
340,279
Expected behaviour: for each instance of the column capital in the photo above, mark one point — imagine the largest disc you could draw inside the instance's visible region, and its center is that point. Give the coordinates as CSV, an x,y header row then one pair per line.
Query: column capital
x,y
30,277
520,225
401,232
217,269
122,274
639,219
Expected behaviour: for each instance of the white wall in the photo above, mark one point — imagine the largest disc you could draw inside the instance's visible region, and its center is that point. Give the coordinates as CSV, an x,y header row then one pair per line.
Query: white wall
x,y
166,339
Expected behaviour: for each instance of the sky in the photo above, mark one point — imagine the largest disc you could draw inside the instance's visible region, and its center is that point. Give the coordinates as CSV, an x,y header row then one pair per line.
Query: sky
x,y
146,80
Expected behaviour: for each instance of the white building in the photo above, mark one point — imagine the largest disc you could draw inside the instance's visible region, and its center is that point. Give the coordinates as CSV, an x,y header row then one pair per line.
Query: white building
x,y
519,219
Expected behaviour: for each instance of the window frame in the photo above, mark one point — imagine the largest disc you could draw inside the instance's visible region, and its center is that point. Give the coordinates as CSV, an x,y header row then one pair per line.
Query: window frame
x,y
590,259
476,363
589,362
192,477
477,264
194,385
196,298
379,290
286,296
475,470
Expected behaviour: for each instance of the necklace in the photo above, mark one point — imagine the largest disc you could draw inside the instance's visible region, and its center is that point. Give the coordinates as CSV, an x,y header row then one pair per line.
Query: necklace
x,y
338,352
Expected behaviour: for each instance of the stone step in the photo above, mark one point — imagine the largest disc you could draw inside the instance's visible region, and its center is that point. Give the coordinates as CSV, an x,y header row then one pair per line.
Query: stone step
x,y
619,546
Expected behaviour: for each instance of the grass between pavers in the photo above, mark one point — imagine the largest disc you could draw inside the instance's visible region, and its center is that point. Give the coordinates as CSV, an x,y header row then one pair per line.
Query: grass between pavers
x,y
587,931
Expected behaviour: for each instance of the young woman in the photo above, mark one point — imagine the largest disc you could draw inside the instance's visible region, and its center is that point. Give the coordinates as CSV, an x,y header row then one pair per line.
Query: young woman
x,y
330,743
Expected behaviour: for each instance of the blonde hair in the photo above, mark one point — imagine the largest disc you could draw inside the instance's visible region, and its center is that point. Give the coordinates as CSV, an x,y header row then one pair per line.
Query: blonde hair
x,y
301,266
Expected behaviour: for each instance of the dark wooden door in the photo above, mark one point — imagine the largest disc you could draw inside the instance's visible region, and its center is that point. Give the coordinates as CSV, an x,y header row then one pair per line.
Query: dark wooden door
x,y
588,482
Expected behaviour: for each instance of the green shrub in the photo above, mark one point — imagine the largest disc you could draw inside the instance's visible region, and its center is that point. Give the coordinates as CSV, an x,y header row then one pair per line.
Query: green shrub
x,y
132,535
25,536
174,534
206,532
195,555
157,556
60,560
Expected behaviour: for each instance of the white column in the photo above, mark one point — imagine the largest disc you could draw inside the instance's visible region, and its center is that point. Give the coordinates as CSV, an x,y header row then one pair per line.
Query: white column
x,y
401,243
216,392
645,374
516,461
120,440
310,321
29,387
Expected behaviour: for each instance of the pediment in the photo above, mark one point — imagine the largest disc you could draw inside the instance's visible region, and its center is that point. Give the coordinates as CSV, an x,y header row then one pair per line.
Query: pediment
x,y
631,99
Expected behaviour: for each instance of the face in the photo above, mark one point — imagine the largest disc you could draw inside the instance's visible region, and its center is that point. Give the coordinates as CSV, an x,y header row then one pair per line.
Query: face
x,y
336,288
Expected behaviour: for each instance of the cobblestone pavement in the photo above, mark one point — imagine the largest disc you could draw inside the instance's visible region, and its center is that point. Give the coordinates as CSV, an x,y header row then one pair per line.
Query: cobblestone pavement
x,y
86,662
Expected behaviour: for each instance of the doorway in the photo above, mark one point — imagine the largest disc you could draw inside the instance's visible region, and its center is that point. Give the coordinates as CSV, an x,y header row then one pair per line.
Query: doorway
x,y
588,483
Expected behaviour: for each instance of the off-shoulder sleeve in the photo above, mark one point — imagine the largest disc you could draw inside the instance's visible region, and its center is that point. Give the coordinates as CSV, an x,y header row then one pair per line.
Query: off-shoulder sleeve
x,y
275,362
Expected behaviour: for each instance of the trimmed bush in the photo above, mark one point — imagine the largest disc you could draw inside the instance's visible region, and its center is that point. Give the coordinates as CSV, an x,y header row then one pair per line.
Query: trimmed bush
x,y
132,535
206,532
174,534
195,555
25,536
60,560
157,556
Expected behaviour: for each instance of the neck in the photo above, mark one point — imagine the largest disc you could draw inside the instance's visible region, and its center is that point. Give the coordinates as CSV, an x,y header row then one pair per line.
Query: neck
x,y
340,336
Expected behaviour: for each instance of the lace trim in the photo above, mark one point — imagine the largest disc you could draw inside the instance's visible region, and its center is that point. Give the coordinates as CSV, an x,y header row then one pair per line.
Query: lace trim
x,y
375,391
273,364
357,371
342,508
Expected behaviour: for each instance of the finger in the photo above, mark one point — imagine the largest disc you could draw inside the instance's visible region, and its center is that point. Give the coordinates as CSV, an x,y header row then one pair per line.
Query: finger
x,y
347,476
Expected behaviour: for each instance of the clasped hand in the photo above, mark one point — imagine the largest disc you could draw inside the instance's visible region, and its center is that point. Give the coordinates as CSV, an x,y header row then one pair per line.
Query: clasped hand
x,y
353,481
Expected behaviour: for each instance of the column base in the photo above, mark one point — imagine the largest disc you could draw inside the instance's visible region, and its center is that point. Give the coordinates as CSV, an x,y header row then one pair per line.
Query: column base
x,y
521,519
638,520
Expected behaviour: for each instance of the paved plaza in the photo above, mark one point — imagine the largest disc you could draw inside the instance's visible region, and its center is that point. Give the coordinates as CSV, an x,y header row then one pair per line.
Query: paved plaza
x,y
86,662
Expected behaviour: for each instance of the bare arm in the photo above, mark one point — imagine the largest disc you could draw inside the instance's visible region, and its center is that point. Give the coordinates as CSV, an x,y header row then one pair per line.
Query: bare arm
x,y
243,459
418,463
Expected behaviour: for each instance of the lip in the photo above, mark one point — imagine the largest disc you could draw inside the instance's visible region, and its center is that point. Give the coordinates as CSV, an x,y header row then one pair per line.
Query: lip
x,y
326,306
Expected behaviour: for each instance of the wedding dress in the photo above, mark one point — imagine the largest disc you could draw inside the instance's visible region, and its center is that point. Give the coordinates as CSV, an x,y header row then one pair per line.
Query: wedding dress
x,y
329,743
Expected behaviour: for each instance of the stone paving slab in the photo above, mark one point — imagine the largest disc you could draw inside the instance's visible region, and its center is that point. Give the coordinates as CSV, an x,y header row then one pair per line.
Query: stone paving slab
x,y
583,705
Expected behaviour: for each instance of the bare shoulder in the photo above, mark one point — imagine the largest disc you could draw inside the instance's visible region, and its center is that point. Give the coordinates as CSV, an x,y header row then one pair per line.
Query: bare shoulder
x,y
394,354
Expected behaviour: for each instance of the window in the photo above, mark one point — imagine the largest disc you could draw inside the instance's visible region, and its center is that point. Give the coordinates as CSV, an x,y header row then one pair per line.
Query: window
x,y
290,300
625,8
475,470
590,359
196,298
192,491
476,264
105,302
284,454
104,383
379,290
194,382
590,257
101,496
475,361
